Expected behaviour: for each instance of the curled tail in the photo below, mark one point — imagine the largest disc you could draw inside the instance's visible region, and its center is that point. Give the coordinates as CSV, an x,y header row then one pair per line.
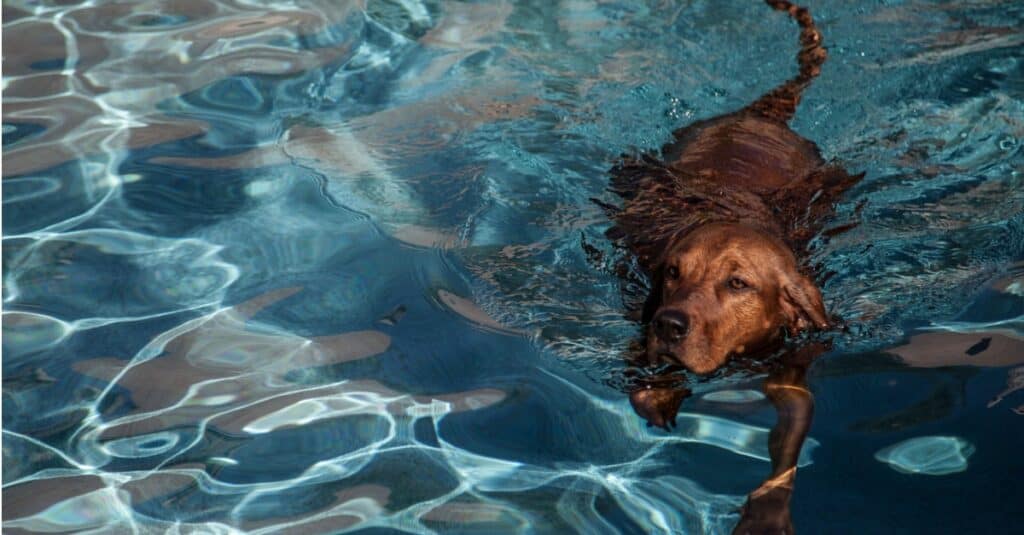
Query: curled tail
x,y
781,102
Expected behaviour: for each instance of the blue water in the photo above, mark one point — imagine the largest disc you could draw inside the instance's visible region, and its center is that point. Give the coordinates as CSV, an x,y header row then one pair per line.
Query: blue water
x,y
308,267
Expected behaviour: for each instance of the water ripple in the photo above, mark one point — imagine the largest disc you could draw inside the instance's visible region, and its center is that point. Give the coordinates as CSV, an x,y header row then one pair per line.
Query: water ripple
x,y
317,266
99,276
933,456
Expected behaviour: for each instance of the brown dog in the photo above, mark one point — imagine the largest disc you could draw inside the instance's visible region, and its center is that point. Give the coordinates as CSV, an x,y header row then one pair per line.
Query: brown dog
x,y
718,223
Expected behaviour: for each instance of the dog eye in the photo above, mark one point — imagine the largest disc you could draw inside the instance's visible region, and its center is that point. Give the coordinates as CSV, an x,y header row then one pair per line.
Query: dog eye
x,y
672,272
737,283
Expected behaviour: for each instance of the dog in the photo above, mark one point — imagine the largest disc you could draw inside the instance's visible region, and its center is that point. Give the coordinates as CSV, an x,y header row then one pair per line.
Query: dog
x,y
719,224
718,220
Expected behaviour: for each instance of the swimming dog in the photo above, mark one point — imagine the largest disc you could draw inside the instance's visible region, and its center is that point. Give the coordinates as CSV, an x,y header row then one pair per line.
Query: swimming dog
x,y
719,223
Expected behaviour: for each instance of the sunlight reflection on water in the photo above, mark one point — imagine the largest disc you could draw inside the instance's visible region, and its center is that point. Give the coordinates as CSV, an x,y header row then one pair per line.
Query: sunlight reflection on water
x,y
321,266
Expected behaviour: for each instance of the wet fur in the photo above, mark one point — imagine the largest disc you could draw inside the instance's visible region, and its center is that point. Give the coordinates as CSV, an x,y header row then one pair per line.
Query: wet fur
x,y
748,179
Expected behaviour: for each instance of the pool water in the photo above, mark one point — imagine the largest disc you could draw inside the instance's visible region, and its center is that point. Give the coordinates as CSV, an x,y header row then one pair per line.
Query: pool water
x,y
313,267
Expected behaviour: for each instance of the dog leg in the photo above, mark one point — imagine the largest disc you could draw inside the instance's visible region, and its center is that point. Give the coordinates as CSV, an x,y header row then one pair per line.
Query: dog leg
x,y
767,507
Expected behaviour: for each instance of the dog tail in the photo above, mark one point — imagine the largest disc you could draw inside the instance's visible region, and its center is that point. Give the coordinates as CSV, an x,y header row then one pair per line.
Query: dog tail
x,y
780,103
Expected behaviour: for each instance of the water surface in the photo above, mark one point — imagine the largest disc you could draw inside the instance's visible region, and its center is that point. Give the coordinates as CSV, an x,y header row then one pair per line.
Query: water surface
x,y
323,266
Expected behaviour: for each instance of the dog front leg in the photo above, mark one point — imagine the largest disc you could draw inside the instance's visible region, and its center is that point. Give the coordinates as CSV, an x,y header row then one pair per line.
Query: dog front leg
x,y
767,507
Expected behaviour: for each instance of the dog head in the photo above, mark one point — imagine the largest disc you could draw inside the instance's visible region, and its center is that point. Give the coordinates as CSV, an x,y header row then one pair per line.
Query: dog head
x,y
726,289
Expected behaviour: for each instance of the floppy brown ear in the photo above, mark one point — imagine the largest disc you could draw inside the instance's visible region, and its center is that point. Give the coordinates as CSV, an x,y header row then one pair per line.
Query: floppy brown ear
x,y
653,302
802,305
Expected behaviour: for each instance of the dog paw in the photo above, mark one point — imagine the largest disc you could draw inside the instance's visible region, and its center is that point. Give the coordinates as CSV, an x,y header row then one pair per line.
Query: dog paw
x,y
658,405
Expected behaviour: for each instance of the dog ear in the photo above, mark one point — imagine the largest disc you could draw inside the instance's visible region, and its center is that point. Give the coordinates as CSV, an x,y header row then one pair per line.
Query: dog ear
x,y
802,305
653,302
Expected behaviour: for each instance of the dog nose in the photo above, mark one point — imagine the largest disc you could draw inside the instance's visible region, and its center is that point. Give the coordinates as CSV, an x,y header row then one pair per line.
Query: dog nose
x,y
670,325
